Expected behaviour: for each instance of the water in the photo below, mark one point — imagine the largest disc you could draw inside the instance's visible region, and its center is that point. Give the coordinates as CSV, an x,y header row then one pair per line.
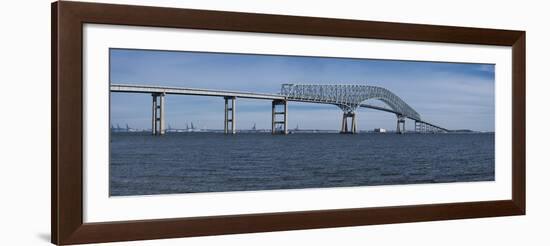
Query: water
x,y
142,164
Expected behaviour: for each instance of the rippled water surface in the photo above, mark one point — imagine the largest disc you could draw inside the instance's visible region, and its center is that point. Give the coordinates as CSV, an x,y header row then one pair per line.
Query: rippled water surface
x,y
142,164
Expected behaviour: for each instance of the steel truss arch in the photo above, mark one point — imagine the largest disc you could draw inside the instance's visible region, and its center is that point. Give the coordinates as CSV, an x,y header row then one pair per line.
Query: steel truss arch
x,y
347,96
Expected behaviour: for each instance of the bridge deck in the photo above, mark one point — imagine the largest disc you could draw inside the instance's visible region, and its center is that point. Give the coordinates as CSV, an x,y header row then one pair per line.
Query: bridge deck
x,y
192,91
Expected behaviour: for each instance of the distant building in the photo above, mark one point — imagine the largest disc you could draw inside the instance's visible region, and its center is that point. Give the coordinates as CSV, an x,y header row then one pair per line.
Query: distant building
x,y
381,130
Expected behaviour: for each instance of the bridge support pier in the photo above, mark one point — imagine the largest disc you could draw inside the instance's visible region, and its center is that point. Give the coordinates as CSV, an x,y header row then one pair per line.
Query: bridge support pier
x,y
423,127
420,127
157,127
344,129
400,124
278,125
229,126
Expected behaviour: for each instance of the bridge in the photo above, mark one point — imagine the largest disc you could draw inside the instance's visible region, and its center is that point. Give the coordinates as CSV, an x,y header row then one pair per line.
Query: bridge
x,y
347,97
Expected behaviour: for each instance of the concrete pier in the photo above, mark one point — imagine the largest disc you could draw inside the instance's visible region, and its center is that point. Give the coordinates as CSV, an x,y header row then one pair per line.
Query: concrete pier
x,y
279,117
344,128
229,126
158,122
400,124
423,127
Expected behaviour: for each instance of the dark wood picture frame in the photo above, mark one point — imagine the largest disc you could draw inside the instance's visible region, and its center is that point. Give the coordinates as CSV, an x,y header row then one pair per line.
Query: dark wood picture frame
x,y
67,124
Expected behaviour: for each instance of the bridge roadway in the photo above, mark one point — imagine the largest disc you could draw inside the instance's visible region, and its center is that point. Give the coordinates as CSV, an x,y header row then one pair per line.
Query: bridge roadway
x,y
230,96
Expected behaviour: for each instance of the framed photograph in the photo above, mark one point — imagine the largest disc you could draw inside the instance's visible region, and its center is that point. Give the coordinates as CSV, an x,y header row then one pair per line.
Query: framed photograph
x,y
175,122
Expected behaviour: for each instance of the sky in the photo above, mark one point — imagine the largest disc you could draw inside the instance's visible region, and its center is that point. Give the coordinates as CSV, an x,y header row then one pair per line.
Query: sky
x,y
451,95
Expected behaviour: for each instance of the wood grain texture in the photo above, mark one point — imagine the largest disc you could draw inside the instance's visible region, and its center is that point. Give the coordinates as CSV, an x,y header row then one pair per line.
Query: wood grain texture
x,y
67,131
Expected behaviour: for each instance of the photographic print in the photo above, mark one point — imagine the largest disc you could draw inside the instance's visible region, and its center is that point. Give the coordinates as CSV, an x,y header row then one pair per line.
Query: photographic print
x,y
194,122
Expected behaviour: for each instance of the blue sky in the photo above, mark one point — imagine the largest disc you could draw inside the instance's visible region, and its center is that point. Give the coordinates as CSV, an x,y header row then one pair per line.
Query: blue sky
x,y
453,95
